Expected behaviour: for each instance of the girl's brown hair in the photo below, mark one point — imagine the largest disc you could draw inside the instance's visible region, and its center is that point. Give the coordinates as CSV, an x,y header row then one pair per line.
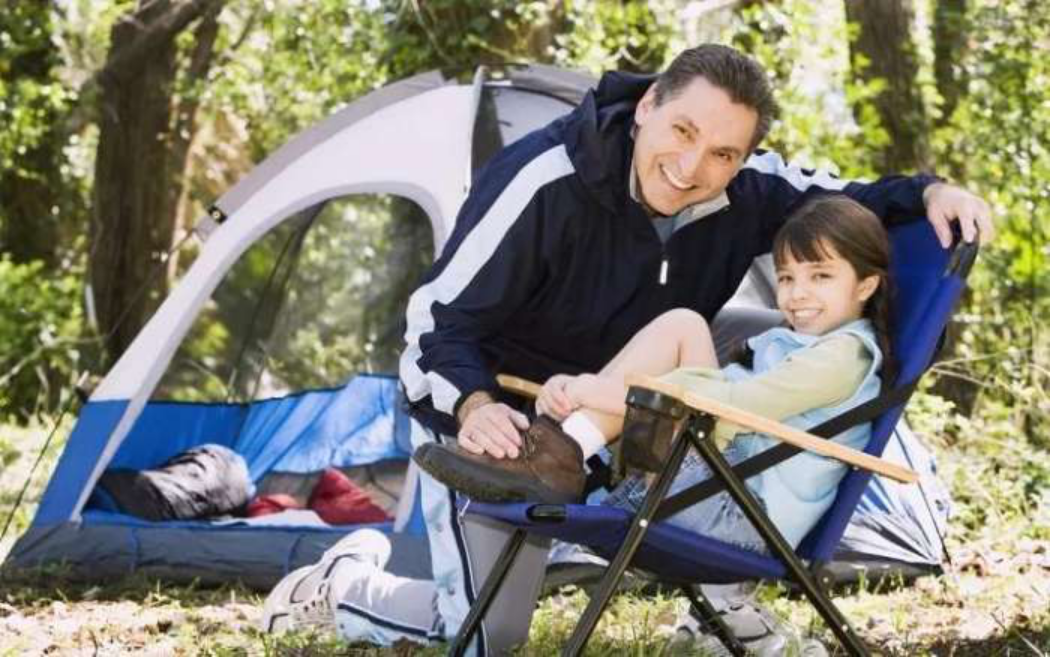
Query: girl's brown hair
x,y
857,235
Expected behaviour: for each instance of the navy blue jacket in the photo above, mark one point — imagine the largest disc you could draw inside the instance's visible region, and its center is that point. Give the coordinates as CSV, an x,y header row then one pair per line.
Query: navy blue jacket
x,y
552,267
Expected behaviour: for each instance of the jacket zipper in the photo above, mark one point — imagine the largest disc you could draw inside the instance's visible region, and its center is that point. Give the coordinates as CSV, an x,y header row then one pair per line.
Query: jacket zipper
x,y
663,268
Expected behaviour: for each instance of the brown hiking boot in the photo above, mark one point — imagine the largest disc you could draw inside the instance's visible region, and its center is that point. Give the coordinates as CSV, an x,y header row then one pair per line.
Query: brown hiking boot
x,y
548,468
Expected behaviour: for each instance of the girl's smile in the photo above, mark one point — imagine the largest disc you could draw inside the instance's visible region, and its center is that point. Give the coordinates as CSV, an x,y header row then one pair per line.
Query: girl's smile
x,y
821,295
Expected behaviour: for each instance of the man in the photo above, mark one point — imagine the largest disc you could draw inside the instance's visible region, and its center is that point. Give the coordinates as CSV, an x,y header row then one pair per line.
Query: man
x,y
647,197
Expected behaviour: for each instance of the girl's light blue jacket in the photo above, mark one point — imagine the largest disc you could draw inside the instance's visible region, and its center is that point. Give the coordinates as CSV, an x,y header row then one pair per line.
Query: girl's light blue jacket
x,y
797,492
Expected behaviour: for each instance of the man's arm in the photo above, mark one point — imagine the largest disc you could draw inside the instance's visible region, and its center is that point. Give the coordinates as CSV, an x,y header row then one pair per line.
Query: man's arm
x,y
485,273
779,187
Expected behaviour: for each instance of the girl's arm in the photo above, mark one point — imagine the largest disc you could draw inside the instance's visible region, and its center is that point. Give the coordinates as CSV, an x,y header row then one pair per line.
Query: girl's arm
x,y
608,394
825,374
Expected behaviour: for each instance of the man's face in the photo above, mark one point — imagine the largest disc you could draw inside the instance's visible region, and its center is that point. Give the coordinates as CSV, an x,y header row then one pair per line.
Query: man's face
x,y
689,148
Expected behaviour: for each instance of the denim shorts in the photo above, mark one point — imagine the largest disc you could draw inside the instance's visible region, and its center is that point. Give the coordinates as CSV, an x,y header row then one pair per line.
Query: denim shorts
x,y
718,516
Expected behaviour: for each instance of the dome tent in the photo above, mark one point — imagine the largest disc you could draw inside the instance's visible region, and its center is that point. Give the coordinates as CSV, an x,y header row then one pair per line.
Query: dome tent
x,y
420,139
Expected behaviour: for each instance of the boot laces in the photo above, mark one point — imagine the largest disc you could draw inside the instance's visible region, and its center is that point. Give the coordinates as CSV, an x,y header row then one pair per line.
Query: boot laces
x,y
529,444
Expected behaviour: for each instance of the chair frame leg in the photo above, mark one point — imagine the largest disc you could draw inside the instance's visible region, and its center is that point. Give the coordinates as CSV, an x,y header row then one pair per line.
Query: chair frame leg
x,y
697,429
488,593
713,621
635,534
779,547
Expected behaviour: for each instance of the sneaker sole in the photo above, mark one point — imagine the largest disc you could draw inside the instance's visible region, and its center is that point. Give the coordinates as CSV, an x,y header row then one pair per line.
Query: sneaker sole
x,y
468,478
277,614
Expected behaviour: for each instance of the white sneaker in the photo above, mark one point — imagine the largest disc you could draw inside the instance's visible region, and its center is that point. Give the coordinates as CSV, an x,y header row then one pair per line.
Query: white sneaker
x,y
307,597
276,616
761,632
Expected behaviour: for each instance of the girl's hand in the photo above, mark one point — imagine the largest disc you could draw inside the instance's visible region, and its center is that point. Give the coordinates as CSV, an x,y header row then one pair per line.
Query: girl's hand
x,y
581,389
554,401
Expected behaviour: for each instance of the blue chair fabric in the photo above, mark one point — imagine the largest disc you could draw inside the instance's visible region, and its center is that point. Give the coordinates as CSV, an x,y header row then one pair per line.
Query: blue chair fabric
x,y
928,282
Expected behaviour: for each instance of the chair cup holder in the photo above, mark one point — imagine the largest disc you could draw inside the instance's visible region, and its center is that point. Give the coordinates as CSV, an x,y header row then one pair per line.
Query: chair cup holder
x,y
648,432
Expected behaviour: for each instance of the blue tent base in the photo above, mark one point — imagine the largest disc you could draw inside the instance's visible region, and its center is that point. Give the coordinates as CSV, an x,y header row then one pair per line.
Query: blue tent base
x,y
359,426
194,552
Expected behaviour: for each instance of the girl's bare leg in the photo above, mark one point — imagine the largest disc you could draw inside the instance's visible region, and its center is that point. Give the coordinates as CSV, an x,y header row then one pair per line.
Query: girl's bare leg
x,y
678,338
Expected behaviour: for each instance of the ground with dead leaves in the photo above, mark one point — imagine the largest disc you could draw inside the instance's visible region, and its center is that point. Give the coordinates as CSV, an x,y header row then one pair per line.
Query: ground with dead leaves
x,y
994,600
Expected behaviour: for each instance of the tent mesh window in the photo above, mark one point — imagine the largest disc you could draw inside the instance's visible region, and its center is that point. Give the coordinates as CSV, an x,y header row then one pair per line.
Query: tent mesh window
x,y
318,299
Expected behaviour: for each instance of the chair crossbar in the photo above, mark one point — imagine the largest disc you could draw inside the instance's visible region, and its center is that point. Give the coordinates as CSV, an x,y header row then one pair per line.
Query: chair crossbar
x,y
780,548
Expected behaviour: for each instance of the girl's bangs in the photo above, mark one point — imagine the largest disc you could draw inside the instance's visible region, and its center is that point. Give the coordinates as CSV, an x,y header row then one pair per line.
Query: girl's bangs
x,y
799,241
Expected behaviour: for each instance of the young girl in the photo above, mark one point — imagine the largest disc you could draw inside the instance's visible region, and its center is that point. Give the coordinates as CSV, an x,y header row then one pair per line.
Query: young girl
x,y
832,259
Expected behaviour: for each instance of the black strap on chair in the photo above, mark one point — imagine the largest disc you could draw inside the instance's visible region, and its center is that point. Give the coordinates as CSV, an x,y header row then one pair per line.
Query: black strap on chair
x,y
600,475
777,454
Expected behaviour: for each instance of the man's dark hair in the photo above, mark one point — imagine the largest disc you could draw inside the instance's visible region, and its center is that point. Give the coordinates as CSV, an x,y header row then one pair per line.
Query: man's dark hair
x,y
728,69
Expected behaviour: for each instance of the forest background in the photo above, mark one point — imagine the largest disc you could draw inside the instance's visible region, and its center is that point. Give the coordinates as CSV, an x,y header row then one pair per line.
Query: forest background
x,y
122,120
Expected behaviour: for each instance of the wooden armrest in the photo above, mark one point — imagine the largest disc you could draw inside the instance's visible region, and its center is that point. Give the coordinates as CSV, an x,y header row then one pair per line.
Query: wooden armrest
x,y
777,430
747,420
519,386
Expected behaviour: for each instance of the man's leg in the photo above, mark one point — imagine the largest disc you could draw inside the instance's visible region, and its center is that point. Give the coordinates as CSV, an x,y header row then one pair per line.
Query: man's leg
x,y
383,608
349,592
462,552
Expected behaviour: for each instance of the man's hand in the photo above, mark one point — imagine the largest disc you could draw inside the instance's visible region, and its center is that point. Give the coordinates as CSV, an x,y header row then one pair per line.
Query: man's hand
x,y
487,426
946,203
554,400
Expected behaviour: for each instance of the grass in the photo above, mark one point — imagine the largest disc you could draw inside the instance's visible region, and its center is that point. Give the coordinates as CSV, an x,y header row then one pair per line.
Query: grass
x,y
995,599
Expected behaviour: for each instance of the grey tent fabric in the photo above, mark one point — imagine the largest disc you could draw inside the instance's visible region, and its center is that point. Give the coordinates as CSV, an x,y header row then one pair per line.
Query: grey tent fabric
x,y
384,143
901,523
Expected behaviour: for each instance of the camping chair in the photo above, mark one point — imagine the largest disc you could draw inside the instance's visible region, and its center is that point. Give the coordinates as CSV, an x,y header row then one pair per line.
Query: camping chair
x,y
929,281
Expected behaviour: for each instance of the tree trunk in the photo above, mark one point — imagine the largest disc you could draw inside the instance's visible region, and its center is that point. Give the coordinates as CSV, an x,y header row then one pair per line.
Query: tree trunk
x,y
950,36
205,34
136,168
884,49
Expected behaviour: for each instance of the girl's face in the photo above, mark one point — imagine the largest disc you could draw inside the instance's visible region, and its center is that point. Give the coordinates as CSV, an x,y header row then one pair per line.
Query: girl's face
x,y
820,296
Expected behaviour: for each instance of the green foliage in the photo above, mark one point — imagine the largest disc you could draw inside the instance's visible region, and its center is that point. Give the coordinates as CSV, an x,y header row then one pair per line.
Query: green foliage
x,y
39,194
30,98
997,479
40,322
602,35
458,35
804,47
284,65
997,140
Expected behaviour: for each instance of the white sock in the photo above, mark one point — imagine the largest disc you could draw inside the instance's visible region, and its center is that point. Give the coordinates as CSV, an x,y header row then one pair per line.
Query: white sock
x,y
584,432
